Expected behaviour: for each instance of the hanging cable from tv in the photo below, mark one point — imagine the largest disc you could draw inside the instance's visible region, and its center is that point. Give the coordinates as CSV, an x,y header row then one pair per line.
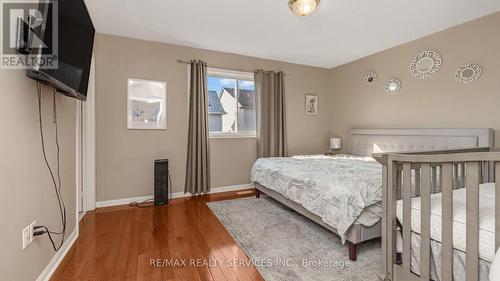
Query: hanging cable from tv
x,y
42,229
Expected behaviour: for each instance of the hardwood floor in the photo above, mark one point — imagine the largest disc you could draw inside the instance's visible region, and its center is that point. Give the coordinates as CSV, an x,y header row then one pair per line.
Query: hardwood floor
x,y
122,243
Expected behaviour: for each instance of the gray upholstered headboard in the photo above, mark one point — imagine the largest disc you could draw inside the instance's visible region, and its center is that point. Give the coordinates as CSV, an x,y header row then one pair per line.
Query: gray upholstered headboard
x,y
364,142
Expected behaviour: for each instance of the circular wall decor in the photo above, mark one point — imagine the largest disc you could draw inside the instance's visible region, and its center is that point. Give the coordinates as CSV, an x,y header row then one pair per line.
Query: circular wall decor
x,y
468,73
425,64
393,86
370,79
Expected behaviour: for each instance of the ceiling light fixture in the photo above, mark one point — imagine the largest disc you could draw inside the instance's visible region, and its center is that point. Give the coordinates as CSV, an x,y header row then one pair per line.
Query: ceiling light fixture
x,y
303,8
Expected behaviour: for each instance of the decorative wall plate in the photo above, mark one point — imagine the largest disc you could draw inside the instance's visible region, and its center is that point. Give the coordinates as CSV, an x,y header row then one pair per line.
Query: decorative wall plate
x,y
425,64
370,79
468,73
393,86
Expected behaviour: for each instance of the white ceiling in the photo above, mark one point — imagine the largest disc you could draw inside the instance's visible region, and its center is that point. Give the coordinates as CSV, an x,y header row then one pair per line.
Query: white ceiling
x,y
339,32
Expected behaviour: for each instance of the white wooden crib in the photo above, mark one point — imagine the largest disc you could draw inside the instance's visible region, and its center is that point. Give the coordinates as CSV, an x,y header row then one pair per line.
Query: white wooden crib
x,y
427,185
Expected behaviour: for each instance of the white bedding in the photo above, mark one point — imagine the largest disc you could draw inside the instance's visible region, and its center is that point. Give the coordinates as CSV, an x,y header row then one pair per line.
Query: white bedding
x,y
336,188
486,219
459,261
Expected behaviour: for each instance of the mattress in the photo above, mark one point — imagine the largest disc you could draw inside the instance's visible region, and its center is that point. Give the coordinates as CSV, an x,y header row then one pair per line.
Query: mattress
x,y
336,188
486,219
459,260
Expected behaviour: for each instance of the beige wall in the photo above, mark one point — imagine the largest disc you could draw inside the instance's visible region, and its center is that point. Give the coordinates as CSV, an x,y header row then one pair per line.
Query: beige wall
x,y
125,157
25,186
438,102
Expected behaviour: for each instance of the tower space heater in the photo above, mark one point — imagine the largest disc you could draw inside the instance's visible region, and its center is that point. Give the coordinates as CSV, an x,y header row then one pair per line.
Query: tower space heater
x,y
161,182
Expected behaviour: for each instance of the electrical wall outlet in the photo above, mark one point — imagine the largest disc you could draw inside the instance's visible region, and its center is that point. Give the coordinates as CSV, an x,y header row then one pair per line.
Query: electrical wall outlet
x,y
26,237
32,225
28,234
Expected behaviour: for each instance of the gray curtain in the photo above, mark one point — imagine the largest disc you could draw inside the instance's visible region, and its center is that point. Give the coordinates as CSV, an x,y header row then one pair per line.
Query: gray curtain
x,y
198,155
270,114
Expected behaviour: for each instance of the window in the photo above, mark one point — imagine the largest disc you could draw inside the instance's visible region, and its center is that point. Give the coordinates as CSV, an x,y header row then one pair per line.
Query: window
x,y
231,103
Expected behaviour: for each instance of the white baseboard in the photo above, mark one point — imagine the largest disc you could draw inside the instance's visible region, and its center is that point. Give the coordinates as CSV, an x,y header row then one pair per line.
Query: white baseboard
x,y
58,257
81,215
231,188
216,190
125,201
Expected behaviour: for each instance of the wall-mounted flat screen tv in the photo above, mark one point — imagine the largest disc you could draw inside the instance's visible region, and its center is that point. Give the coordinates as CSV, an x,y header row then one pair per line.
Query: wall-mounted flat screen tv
x,y
74,34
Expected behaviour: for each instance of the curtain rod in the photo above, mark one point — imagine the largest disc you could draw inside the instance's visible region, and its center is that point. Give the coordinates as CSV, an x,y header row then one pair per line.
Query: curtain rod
x,y
223,67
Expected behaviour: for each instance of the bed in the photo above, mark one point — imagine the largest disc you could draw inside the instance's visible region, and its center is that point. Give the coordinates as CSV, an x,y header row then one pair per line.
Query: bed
x,y
337,191
348,203
440,210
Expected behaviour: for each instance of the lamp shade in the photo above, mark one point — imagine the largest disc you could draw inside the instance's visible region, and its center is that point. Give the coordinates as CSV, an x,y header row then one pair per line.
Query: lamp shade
x,y
335,143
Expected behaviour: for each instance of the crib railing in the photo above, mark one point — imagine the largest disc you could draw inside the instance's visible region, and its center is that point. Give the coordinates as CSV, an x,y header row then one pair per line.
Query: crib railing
x,y
433,172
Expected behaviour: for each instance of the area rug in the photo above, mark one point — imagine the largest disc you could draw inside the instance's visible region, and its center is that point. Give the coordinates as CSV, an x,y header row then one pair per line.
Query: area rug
x,y
285,245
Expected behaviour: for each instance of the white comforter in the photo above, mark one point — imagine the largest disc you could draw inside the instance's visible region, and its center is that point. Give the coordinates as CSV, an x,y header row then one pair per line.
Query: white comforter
x,y
336,188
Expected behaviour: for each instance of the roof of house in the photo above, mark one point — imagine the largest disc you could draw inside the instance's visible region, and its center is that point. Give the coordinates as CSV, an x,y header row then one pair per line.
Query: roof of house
x,y
214,105
245,97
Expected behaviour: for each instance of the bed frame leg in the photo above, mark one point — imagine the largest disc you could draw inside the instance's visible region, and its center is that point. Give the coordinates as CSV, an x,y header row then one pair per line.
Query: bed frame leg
x,y
353,251
257,193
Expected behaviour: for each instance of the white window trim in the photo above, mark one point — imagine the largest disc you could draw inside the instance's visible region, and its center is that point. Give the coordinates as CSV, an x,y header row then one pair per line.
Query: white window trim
x,y
237,75
224,135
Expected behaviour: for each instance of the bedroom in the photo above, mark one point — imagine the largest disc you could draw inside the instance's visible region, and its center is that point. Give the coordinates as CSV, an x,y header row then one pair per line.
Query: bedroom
x,y
329,70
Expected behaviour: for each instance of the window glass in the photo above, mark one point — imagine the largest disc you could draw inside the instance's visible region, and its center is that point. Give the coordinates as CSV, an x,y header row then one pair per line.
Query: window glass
x,y
246,106
231,105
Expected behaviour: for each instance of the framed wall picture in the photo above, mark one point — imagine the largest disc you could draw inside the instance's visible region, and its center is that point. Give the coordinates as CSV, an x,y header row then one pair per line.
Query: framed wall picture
x,y
311,104
146,104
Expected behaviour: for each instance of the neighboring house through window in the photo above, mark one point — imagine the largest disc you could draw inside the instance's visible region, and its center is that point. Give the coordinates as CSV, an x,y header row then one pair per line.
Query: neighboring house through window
x,y
215,112
231,103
